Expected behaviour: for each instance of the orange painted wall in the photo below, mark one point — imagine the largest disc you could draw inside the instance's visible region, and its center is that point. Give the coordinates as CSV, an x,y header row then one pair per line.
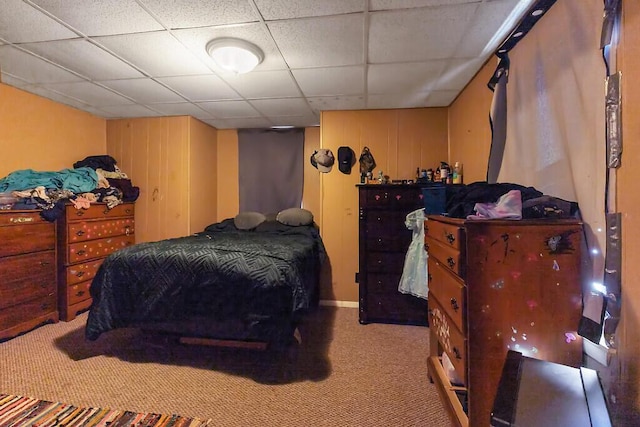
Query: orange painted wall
x,y
400,141
469,129
40,134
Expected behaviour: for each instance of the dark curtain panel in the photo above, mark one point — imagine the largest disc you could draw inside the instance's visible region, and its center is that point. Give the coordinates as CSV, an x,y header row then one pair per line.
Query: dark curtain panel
x,y
271,164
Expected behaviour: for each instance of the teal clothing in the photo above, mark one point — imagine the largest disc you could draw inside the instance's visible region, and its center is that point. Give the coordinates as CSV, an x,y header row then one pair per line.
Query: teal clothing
x,y
80,180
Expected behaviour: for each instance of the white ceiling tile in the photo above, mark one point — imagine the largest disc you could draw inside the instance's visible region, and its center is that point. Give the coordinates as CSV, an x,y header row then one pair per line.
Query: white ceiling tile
x,y
403,77
196,40
324,103
217,123
201,88
143,91
130,110
458,73
31,68
333,40
331,81
297,121
441,98
100,18
96,64
418,34
58,97
248,123
408,4
180,109
201,13
264,84
21,23
89,93
229,109
398,100
480,33
282,107
157,53
284,9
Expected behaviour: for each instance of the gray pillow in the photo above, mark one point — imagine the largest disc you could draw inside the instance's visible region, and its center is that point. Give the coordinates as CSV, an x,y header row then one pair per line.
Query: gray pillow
x,y
295,217
248,220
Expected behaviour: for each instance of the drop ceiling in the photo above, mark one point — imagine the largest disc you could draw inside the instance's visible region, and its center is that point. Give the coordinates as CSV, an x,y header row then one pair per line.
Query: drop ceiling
x,y
145,58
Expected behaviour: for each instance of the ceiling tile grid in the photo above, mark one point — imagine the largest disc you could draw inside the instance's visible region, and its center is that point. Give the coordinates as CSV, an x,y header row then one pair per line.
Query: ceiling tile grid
x,y
139,58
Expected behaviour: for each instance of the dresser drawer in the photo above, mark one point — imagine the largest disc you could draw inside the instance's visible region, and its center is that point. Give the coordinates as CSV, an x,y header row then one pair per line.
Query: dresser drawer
x,y
450,235
447,255
90,230
96,211
81,272
449,290
398,308
385,223
385,262
30,237
78,252
27,311
381,285
25,277
78,292
395,243
449,337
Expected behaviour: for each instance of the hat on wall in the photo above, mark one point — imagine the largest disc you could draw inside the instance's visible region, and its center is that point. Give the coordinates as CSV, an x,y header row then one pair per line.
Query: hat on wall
x,y
346,159
322,160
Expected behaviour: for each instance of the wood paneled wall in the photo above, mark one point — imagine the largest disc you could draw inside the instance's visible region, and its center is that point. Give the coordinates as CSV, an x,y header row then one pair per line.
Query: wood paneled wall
x,y
40,134
172,160
400,141
469,128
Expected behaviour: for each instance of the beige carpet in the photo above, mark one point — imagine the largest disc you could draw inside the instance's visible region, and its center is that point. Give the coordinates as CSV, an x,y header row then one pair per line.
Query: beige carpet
x,y
343,374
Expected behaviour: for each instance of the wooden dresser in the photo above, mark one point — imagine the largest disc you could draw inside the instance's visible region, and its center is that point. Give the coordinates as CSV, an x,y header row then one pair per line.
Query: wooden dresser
x,y
494,286
383,243
27,272
85,238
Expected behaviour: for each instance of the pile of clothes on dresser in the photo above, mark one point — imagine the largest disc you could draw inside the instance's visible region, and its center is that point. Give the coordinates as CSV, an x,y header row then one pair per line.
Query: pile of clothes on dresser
x,y
91,180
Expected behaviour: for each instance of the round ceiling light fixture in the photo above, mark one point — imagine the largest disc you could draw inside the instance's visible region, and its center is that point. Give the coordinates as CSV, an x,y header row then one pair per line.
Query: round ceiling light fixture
x,y
235,55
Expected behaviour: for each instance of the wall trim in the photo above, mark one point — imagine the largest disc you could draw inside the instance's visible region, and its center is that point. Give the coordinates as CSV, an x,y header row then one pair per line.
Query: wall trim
x,y
334,303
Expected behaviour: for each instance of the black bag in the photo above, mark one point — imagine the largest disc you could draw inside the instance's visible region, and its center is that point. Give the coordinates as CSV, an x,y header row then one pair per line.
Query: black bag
x,y
367,162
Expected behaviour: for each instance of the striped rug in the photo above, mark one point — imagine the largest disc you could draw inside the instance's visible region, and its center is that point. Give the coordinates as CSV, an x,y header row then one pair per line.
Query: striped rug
x,y
20,411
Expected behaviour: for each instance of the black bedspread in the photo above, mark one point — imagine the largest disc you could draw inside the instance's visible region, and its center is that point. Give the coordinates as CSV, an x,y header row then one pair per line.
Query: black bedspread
x,y
267,276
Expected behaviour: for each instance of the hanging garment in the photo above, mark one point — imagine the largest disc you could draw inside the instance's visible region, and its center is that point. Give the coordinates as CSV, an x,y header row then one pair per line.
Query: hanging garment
x,y
414,273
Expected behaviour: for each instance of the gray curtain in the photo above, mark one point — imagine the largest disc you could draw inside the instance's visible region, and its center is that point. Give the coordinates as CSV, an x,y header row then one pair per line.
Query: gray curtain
x,y
498,119
271,166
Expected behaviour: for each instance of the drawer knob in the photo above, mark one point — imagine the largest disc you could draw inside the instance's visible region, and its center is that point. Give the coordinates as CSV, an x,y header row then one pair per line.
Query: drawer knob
x,y
426,229
398,196
44,262
80,274
79,213
454,304
128,211
426,247
456,352
80,233
44,285
105,211
82,252
429,277
450,238
127,230
451,262
44,306
79,293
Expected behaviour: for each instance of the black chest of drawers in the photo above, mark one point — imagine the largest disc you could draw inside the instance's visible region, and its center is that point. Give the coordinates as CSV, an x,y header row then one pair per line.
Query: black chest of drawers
x,y
383,243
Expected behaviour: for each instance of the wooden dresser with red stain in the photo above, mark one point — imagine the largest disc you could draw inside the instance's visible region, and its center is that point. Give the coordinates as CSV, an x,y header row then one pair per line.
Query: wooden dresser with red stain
x,y
495,286
85,238
27,272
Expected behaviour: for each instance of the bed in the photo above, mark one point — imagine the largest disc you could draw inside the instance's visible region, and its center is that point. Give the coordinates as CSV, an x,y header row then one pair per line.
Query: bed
x,y
223,283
